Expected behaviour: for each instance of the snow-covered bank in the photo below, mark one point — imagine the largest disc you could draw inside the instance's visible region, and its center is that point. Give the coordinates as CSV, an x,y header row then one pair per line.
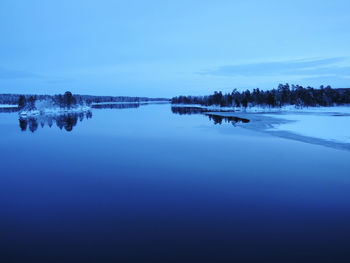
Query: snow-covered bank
x,y
54,111
328,126
8,106
331,126
266,109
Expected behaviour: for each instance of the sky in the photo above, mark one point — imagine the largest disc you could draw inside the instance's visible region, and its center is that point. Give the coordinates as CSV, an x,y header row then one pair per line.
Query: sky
x,y
169,48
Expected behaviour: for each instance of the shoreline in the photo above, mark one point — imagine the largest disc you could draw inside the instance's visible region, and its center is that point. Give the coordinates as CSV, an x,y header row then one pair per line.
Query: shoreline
x,y
282,124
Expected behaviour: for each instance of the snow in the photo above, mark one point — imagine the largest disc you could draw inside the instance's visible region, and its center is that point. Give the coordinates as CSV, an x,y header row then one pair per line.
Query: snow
x,y
330,124
54,111
266,109
321,125
7,106
335,109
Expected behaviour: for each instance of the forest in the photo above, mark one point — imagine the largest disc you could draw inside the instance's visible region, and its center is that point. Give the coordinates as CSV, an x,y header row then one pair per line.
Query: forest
x,y
67,99
283,95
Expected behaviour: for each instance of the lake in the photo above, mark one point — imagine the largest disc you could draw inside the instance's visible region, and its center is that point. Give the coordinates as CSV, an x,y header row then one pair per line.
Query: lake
x,y
144,183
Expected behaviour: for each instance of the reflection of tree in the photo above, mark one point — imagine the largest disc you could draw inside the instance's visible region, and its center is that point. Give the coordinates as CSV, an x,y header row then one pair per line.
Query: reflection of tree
x,y
33,124
188,110
23,124
229,119
67,121
9,109
217,119
116,105
195,110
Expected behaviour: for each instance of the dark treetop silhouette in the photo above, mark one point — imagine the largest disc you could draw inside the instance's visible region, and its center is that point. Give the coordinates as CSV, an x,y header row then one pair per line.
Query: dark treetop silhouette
x,y
283,95
68,99
217,119
67,121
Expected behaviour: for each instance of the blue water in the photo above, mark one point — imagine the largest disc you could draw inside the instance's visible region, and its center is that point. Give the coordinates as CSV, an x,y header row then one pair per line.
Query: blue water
x,y
146,185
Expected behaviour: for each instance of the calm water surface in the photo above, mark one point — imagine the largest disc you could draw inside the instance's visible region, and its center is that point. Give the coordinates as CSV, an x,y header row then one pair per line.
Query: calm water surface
x,y
146,184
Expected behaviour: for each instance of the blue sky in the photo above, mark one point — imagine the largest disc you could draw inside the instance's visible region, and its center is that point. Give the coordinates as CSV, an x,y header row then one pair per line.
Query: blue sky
x,y
167,48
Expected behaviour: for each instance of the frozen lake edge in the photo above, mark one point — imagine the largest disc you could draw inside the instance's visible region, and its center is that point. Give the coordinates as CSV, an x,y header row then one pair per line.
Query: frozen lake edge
x,y
327,126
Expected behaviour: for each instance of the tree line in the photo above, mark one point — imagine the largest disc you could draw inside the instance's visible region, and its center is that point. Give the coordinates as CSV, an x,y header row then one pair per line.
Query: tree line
x,y
284,95
68,99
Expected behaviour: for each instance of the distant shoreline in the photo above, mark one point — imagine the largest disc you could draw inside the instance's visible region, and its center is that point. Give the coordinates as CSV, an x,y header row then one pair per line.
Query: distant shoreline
x,y
13,99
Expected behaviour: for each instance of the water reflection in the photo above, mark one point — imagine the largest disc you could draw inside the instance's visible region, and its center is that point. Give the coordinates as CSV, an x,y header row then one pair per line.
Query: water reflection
x,y
217,119
194,110
230,119
8,109
67,121
188,110
117,105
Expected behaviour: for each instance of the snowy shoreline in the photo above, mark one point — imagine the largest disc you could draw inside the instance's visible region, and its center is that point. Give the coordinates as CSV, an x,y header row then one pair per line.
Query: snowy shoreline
x,y
328,126
331,126
8,106
54,111
262,109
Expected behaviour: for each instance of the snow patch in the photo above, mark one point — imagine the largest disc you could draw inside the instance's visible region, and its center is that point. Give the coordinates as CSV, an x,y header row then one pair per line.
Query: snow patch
x,y
263,109
54,111
8,106
330,125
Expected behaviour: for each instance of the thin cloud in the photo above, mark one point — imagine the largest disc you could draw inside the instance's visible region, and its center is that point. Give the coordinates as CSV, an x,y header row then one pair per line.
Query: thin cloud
x,y
59,80
17,74
6,74
342,81
294,67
